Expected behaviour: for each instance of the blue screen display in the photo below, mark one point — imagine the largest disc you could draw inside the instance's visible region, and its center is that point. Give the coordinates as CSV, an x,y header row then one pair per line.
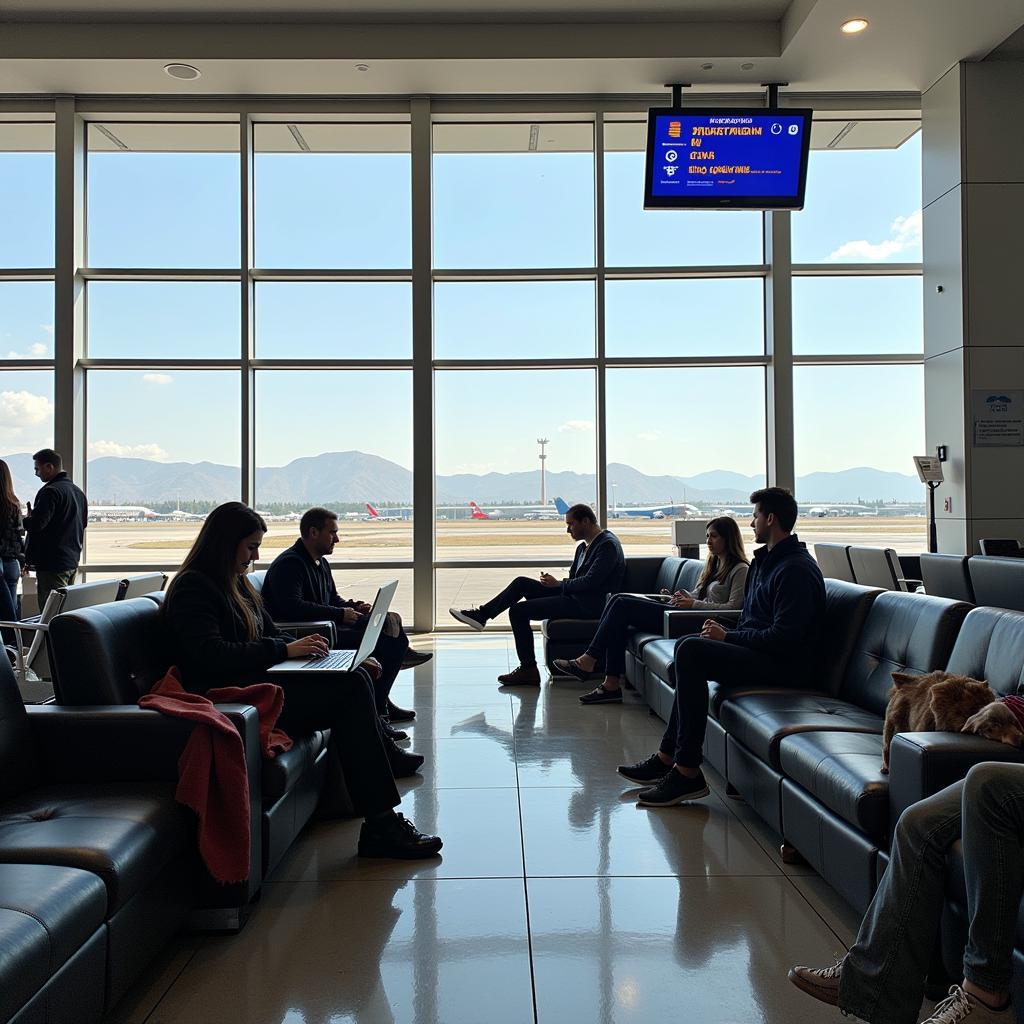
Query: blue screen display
x,y
727,155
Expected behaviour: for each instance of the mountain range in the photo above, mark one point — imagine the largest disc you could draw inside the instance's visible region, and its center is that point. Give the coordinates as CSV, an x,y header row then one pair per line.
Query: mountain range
x,y
355,477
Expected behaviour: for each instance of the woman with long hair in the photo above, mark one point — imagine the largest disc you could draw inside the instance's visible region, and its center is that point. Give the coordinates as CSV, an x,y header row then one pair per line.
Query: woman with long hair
x,y
720,586
12,549
220,635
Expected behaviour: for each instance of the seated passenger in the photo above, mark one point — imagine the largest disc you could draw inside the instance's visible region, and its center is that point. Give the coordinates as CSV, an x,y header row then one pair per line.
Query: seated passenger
x,y
771,645
299,587
220,635
881,980
597,570
720,586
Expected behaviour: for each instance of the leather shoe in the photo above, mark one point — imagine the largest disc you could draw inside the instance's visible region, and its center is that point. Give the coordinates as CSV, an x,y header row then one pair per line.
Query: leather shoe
x,y
396,837
391,732
397,714
522,675
404,763
413,658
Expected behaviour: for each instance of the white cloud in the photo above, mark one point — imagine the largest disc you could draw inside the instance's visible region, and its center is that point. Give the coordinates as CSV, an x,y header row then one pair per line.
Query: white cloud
x,y
158,378
26,420
36,351
46,328
652,435
904,235
577,427
99,449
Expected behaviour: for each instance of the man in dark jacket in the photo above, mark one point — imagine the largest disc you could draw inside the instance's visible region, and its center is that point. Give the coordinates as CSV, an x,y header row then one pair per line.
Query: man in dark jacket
x,y
598,568
772,645
55,527
300,587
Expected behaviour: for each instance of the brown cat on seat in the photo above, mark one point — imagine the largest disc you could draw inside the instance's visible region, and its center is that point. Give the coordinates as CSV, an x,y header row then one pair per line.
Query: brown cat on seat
x,y
937,702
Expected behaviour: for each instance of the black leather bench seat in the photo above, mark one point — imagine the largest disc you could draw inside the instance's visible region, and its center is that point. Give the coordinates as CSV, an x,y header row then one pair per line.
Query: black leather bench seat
x,y
282,773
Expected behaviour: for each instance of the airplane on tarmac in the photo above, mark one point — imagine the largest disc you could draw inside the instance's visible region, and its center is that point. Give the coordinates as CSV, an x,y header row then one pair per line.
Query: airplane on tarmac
x,y
381,517
135,513
479,513
681,511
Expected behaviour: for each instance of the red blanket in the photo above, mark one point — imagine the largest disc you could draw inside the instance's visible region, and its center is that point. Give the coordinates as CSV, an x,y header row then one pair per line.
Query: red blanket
x,y
212,779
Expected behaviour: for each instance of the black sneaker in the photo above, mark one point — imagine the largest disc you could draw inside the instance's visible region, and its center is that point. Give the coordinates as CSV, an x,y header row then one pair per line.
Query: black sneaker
x,y
396,837
391,732
644,772
674,788
413,658
404,763
397,714
599,695
472,617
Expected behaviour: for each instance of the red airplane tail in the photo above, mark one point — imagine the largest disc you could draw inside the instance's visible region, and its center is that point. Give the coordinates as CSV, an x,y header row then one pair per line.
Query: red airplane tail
x,y
478,512
374,514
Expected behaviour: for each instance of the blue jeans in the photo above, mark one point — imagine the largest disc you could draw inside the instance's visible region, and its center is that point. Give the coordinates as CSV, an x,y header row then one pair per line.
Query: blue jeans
x,y
884,972
622,612
9,595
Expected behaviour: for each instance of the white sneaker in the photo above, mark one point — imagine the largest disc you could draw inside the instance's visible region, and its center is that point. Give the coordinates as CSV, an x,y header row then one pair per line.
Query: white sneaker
x,y
960,1006
820,982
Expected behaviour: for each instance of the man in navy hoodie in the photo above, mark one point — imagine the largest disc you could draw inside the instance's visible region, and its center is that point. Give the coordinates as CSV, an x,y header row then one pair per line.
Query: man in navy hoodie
x,y
772,644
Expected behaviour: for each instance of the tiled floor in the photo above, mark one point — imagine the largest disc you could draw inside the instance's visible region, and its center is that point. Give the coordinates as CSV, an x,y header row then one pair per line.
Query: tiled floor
x,y
557,899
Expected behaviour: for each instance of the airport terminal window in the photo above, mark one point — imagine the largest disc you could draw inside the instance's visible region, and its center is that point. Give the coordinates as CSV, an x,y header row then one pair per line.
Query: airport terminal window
x,y
513,195
26,320
685,317
163,195
332,195
521,319
163,446
163,319
857,314
26,424
26,194
333,320
638,238
855,478
340,438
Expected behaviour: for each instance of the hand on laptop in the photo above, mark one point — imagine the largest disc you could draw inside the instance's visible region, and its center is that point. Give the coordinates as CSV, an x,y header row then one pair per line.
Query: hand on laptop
x,y
680,599
349,616
362,607
312,646
372,665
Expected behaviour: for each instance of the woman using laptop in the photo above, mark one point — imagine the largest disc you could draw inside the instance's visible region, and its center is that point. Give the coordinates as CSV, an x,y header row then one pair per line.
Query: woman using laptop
x,y
720,586
220,635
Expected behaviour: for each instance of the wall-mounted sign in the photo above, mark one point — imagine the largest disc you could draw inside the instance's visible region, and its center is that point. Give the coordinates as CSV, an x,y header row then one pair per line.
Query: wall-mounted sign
x,y
998,417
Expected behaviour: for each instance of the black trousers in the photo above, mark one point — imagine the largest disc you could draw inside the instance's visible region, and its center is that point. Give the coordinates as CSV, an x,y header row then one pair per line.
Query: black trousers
x,y
344,703
620,614
698,660
530,601
390,652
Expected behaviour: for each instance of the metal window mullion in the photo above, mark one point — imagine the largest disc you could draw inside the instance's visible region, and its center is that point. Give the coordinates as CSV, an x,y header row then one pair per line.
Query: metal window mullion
x,y
778,305
861,359
422,373
246,298
600,393
328,274
857,269
157,274
27,274
685,273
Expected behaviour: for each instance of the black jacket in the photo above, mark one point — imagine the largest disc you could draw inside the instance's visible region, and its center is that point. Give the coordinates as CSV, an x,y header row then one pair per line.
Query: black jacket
x,y
596,572
12,544
207,639
297,589
56,526
783,605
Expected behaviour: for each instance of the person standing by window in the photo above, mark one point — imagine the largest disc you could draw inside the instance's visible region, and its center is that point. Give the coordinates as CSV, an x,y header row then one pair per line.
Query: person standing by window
x,y
12,549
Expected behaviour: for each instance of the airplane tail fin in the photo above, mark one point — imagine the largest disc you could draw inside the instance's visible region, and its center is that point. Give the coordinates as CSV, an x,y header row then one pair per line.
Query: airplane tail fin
x,y
374,514
561,506
477,511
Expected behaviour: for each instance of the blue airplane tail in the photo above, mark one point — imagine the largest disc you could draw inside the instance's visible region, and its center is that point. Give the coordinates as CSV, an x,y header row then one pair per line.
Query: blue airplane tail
x,y
561,506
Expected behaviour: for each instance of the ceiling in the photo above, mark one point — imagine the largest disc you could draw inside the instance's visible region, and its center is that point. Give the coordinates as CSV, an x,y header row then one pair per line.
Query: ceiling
x,y
475,48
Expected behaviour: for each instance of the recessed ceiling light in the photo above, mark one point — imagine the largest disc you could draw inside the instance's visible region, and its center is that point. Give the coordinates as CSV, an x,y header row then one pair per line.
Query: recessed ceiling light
x,y
854,25
707,67
183,72
747,67
362,67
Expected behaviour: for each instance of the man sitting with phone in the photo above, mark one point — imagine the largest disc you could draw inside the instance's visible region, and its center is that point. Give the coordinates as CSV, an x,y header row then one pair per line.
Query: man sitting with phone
x,y
300,587
598,568
783,609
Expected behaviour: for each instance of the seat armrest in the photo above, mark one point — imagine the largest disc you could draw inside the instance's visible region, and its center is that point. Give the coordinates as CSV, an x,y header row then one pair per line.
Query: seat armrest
x,y
686,621
324,627
923,763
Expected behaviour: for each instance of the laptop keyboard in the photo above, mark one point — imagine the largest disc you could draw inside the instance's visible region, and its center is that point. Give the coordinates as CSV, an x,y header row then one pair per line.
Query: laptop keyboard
x,y
336,659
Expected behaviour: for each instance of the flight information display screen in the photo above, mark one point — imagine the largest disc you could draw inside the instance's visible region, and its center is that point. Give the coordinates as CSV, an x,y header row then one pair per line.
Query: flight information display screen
x,y
726,159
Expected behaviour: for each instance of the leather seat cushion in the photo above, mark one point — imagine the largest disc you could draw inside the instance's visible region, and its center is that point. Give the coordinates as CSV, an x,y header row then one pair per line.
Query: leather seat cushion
x,y
718,694
760,721
46,914
281,773
842,770
660,658
569,629
124,834
637,640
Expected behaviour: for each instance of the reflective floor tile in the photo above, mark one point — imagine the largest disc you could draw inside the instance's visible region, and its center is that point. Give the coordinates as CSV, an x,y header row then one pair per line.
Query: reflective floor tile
x,y
138,1002
480,829
375,952
585,763
581,832
468,763
558,715
708,950
462,721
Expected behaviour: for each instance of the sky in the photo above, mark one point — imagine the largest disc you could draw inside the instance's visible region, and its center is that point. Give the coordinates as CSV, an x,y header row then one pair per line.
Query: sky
x,y
491,211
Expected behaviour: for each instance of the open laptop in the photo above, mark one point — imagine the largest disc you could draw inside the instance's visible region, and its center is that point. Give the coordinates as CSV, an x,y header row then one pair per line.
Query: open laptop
x,y
345,661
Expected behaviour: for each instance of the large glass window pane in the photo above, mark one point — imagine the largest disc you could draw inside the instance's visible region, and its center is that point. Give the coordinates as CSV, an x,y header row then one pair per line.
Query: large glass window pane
x,y
163,195
26,320
857,314
163,442
856,482
333,195
634,237
487,428
513,319
689,461
163,319
862,206
513,195
333,320
26,195
26,424
342,439
700,317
